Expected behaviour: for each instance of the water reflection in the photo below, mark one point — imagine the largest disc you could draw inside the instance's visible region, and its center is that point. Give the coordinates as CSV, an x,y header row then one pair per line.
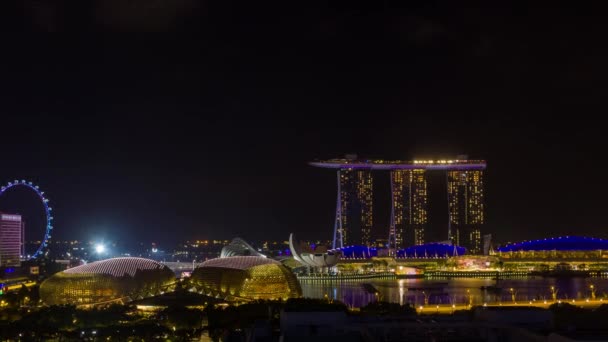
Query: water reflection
x,y
457,291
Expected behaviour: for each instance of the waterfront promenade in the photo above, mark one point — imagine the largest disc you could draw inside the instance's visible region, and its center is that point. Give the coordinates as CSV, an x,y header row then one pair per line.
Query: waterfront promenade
x,y
345,277
448,309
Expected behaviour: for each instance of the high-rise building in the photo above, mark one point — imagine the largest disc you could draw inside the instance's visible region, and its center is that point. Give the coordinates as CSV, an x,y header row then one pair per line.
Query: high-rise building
x,y
409,200
466,208
356,191
11,231
419,198
409,207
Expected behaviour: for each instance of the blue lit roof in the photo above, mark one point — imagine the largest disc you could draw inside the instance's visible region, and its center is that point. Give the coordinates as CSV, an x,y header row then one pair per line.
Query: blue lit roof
x,y
430,250
358,251
562,243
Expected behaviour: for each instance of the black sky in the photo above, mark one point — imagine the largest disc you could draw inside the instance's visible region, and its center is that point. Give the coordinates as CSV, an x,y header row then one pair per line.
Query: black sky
x,y
169,120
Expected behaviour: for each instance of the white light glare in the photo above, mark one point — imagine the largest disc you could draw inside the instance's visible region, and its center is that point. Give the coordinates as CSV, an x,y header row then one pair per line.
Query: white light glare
x,y
99,248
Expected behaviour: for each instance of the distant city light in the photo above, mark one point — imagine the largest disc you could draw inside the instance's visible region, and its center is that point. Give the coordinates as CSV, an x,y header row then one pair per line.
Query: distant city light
x,y
100,248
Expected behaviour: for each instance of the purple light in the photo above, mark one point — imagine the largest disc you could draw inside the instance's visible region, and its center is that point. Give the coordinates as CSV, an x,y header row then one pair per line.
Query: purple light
x,y
568,243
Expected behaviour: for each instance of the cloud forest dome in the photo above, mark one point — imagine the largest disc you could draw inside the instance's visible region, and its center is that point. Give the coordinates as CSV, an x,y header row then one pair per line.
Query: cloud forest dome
x,y
116,267
238,247
562,243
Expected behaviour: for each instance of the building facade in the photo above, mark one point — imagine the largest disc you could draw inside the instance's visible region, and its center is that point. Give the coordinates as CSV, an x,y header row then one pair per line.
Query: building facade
x,y
466,208
356,202
11,234
409,207
409,201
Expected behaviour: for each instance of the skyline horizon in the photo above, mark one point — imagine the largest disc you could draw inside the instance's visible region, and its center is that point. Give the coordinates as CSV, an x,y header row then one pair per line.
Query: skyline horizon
x,y
377,229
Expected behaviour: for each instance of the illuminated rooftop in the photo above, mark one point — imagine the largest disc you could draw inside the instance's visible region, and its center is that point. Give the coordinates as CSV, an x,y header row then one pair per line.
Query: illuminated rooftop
x,y
562,243
116,267
431,250
356,252
380,164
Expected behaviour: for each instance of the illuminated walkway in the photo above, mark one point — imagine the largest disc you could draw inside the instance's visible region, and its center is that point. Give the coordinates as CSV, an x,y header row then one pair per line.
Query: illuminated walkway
x,y
449,309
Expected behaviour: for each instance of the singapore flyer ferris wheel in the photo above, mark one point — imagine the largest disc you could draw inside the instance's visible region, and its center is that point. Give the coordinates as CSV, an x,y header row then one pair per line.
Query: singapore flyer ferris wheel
x,y
47,211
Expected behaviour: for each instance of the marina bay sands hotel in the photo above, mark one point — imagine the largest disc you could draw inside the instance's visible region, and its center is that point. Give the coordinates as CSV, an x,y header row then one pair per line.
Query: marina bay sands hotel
x,y
409,200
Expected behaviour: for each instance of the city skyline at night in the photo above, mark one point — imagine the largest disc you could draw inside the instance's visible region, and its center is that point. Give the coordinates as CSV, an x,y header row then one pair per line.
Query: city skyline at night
x,y
139,136
294,171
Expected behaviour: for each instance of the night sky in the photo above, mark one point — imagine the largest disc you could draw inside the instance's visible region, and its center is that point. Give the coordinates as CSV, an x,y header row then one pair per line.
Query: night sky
x,y
172,120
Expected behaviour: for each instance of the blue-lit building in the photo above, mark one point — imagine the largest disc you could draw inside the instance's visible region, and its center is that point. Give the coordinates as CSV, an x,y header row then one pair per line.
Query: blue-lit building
x,y
431,250
563,247
562,243
357,252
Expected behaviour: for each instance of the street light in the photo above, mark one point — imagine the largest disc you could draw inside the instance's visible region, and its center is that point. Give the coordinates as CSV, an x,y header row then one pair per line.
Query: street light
x,y
100,248
513,294
592,288
554,292
426,298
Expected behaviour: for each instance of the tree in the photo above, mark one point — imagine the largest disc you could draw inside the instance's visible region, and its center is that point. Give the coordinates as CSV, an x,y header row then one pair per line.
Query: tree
x,y
181,318
23,294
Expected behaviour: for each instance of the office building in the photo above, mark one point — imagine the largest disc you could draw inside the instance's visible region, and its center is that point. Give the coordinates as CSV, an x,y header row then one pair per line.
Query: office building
x,y
11,233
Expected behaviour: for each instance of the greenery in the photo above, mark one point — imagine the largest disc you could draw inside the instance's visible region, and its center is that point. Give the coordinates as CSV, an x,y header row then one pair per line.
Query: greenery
x,y
181,318
23,296
68,321
175,322
570,318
